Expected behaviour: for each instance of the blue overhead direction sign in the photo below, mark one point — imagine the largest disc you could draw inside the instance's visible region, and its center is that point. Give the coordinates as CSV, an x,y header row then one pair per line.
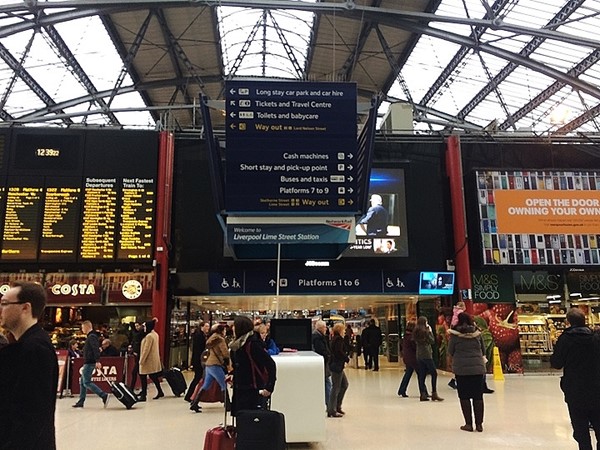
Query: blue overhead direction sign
x,y
291,147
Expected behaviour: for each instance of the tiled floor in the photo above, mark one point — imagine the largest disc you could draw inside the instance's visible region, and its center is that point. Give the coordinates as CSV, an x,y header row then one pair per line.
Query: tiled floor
x,y
525,412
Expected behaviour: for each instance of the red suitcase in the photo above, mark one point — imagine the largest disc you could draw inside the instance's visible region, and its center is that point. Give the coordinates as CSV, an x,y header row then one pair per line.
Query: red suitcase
x,y
220,438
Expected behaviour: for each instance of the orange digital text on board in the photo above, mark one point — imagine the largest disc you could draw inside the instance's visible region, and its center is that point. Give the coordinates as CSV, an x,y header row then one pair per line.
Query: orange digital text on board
x,y
547,212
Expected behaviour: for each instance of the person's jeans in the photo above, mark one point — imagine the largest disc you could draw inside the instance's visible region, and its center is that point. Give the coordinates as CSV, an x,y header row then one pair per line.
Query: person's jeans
x,y
85,383
405,379
338,390
213,373
328,386
426,366
581,419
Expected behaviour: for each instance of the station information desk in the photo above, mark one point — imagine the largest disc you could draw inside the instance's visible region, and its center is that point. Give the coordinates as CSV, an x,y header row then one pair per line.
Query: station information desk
x,y
300,395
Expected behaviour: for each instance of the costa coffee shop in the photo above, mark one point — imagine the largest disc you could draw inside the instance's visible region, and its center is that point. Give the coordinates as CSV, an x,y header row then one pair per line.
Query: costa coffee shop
x,y
110,300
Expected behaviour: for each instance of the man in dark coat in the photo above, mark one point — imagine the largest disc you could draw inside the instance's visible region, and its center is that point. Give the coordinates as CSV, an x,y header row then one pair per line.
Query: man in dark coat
x,y
198,346
371,340
320,345
577,352
28,372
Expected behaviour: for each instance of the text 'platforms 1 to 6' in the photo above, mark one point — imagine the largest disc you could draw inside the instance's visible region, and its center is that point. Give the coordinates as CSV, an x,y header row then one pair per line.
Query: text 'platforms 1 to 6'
x,y
291,147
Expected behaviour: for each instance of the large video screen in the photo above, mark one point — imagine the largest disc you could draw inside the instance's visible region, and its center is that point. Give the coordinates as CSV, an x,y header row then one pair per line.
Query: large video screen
x,y
539,217
382,231
78,197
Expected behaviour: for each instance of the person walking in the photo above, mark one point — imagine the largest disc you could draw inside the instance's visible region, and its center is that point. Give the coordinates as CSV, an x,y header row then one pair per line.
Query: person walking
x,y
372,339
28,372
338,377
467,349
150,364
423,337
91,355
216,366
198,346
577,353
137,335
320,345
409,356
254,371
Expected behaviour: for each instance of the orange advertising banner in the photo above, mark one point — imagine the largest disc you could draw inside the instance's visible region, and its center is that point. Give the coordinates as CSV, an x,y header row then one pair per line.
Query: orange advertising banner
x,y
547,212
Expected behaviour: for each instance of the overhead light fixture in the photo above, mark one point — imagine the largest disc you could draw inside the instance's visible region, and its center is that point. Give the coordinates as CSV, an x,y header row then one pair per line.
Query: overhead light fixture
x,y
575,295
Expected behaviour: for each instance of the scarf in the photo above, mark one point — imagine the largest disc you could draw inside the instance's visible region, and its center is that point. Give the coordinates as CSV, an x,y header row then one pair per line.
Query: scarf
x,y
239,342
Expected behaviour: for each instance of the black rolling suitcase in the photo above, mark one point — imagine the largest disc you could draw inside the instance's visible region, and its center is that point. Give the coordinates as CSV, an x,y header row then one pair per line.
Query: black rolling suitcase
x,y
176,381
259,430
121,392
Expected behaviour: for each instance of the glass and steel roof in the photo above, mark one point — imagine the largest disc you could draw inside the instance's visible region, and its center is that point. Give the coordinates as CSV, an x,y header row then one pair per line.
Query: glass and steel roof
x,y
509,66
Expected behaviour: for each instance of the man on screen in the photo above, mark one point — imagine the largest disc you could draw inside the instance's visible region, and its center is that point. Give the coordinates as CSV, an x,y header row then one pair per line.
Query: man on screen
x,y
375,221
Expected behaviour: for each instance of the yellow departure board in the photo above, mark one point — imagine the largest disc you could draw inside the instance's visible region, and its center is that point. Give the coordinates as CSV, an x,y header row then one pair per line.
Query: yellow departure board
x,y
20,235
60,221
98,224
137,219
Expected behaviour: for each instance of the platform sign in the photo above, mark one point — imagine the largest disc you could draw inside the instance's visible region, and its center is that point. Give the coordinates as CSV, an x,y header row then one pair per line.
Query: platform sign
x,y
291,147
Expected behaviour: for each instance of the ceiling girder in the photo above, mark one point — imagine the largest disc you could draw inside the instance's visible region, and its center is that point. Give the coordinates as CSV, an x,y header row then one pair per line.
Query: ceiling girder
x,y
547,93
123,52
131,53
78,71
348,9
177,55
568,9
394,65
287,47
497,7
588,115
18,68
365,30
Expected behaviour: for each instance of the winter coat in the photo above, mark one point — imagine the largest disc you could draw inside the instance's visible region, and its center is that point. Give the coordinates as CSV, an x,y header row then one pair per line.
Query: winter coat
x,y
467,350
91,348
409,351
150,354
219,352
424,350
320,345
28,380
371,337
577,352
264,375
199,344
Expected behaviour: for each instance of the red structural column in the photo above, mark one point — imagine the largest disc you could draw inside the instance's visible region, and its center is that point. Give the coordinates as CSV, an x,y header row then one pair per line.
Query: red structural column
x,y
459,222
162,237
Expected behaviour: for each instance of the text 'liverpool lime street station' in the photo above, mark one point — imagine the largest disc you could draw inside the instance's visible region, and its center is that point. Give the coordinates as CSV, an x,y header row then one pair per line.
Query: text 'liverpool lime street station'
x,y
291,147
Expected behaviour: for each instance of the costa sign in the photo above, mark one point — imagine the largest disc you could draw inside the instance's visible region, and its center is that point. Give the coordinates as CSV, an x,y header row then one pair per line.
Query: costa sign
x,y
73,289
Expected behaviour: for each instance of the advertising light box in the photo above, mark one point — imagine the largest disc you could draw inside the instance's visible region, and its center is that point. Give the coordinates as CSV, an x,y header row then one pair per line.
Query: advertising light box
x,y
539,217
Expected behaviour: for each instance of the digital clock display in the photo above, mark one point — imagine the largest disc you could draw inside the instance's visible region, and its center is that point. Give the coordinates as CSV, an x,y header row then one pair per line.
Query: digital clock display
x,y
51,152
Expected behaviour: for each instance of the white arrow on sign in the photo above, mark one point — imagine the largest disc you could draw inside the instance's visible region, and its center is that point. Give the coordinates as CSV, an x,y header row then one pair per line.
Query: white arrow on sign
x,y
272,282
232,126
350,178
349,167
350,190
350,155
232,114
232,91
